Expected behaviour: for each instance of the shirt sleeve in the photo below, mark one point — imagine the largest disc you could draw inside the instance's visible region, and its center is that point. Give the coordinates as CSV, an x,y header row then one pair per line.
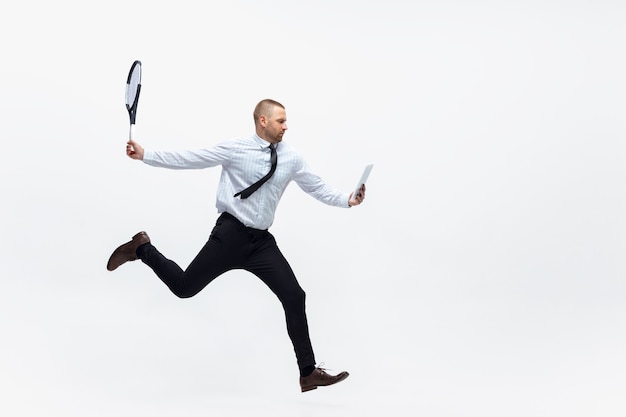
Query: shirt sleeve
x,y
313,185
197,159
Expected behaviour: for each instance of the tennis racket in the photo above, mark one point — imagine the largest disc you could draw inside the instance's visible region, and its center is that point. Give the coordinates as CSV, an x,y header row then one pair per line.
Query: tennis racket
x,y
133,87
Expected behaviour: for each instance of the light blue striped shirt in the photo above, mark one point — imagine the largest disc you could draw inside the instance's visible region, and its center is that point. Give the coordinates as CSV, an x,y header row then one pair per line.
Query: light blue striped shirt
x,y
244,161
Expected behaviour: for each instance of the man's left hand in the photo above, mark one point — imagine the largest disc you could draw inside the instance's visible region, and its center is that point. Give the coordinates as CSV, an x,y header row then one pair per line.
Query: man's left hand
x,y
360,196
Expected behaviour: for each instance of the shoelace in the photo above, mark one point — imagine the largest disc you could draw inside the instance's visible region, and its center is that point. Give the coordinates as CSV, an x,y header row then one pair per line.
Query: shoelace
x,y
321,367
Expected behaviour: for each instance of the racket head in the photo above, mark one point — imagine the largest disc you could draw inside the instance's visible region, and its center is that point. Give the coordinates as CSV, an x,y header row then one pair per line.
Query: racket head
x,y
133,87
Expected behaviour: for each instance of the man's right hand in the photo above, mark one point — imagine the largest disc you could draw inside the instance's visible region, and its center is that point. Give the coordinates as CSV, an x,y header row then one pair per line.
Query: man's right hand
x,y
134,150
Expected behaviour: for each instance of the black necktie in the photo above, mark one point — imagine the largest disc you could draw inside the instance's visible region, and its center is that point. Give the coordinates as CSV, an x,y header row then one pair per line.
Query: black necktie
x,y
248,191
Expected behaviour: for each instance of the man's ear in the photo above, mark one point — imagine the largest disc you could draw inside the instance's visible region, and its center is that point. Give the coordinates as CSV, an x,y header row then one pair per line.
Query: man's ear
x,y
263,121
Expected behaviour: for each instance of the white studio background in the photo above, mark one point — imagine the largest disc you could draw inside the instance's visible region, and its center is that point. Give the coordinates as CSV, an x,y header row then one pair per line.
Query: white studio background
x,y
483,276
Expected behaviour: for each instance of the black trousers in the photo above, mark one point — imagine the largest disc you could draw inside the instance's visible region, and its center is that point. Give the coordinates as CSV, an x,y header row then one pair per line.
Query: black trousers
x,y
232,245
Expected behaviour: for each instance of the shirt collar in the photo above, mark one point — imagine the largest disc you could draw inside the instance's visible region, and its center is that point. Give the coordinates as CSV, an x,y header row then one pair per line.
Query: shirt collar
x,y
261,142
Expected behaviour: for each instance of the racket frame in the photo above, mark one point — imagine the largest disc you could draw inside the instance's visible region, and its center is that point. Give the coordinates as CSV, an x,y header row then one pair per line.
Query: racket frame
x,y
132,107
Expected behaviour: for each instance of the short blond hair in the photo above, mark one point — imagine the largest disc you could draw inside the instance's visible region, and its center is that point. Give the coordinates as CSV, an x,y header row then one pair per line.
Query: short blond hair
x,y
264,108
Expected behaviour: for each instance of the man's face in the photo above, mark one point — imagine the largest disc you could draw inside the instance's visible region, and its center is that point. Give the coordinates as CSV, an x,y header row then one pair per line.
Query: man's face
x,y
275,125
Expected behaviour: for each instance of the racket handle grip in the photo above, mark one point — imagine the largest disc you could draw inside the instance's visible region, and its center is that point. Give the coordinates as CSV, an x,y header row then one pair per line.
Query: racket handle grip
x,y
131,133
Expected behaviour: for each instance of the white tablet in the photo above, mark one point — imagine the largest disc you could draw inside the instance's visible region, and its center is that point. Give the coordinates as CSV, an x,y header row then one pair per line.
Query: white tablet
x,y
366,173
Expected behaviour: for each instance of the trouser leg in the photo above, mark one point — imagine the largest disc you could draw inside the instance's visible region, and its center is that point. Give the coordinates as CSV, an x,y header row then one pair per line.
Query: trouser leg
x,y
269,264
223,251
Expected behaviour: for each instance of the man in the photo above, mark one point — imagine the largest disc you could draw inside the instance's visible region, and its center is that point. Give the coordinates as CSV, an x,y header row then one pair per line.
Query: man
x,y
255,172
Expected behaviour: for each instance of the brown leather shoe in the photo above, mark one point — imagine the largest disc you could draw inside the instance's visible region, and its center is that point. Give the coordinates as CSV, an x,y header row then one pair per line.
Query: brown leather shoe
x,y
319,378
127,252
